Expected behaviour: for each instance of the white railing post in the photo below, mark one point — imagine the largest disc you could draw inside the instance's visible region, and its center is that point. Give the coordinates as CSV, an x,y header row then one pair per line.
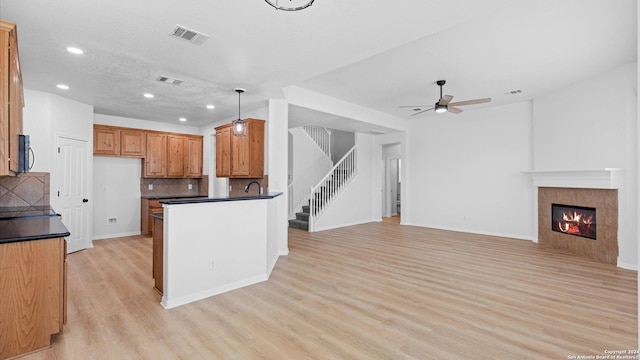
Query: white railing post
x,y
321,136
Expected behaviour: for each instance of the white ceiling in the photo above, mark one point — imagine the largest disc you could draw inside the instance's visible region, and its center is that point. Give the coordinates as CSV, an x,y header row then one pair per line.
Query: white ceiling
x,y
373,53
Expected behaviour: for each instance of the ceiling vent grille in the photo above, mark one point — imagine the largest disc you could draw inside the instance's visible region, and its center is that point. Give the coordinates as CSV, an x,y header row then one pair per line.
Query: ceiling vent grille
x,y
189,35
168,80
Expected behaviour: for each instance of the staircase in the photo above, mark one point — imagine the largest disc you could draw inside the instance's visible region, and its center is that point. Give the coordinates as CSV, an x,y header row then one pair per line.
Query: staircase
x,y
302,219
326,191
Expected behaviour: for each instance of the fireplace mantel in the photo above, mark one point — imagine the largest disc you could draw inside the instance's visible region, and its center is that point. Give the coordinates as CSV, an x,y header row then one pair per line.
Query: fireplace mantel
x,y
608,178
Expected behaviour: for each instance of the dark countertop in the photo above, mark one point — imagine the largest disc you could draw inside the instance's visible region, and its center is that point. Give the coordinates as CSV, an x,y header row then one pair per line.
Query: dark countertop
x,y
14,212
31,228
165,197
269,195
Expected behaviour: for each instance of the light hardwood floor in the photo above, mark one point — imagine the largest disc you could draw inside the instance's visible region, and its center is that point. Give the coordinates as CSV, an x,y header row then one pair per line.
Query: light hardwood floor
x,y
372,291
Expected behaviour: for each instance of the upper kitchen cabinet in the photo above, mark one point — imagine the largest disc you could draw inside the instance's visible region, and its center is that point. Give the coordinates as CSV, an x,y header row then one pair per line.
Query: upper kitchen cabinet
x,y
223,151
240,156
118,141
155,163
11,99
106,140
193,158
175,156
133,143
172,155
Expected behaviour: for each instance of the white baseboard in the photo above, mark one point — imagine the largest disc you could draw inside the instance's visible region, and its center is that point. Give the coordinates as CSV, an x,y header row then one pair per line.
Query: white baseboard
x,y
111,236
469,231
624,265
343,225
183,300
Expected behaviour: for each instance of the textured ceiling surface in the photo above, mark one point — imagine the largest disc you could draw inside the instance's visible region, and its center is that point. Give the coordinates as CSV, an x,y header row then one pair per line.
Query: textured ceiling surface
x,y
376,54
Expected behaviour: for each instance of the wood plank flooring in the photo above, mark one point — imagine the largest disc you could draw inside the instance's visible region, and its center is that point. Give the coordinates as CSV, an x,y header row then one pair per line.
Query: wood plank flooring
x,y
371,291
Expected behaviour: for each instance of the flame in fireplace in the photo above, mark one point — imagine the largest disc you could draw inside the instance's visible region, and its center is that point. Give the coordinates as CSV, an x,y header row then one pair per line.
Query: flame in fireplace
x,y
571,223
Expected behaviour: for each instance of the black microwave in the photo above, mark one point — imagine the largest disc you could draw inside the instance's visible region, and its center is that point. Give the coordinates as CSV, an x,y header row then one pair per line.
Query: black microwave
x,y
24,154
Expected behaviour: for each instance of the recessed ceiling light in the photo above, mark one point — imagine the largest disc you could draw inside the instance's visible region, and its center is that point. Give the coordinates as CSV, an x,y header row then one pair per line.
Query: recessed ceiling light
x,y
183,119
75,50
210,107
62,86
148,95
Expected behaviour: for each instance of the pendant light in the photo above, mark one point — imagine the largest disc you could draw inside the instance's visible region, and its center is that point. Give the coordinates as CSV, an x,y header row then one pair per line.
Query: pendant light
x,y
239,126
292,5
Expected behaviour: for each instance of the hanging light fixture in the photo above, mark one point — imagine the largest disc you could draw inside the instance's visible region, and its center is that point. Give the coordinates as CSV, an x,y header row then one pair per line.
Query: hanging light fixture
x,y
290,5
239,126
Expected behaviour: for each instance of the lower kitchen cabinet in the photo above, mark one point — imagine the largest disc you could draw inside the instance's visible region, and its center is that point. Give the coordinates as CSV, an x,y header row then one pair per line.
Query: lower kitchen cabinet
x,y
158,252
33,294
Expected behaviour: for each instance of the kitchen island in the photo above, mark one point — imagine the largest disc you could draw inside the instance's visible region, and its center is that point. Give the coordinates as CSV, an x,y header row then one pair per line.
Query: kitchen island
x,y
214,245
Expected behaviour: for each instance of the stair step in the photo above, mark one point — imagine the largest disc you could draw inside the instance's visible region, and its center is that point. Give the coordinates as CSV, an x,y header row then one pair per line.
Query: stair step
x,y
306,208
304,216
299,224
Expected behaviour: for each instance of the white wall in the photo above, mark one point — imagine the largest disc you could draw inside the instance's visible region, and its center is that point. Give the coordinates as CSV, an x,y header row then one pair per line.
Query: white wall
x,y
593,125
116,194
356,204
277,156
466,171
37,124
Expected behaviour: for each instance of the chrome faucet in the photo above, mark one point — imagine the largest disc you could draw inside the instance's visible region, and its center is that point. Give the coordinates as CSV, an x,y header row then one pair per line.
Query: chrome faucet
x,y
246,188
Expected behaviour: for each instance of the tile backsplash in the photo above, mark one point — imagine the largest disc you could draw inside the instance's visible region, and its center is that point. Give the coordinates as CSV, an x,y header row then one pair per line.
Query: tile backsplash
x,y
237,186
170,187
25,189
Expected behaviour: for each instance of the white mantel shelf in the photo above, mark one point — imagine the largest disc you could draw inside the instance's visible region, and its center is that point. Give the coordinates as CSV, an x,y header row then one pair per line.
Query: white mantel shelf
x,y
608,178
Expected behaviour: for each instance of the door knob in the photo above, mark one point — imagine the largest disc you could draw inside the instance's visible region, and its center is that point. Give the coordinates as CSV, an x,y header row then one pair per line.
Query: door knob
x,y
85,200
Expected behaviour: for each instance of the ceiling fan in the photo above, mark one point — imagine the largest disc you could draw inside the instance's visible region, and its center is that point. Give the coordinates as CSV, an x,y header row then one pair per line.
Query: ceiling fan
x,y
445,104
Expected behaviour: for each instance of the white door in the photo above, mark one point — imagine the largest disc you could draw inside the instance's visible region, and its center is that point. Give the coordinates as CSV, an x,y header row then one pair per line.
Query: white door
x,y
71,192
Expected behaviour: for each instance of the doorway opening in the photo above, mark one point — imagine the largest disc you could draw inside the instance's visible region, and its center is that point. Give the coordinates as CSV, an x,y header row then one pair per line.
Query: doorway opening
x,y
391,183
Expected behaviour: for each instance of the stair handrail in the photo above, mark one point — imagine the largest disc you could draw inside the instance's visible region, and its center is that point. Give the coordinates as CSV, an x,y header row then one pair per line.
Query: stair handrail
x,y
321,137
333,181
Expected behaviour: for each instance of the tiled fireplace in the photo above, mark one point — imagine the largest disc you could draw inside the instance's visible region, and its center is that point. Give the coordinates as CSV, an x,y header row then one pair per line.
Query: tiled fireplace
x,y
586,212
604,247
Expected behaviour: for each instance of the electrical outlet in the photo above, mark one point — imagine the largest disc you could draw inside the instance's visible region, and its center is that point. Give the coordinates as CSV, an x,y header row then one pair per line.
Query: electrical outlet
x,y
150,186
189,186
212,265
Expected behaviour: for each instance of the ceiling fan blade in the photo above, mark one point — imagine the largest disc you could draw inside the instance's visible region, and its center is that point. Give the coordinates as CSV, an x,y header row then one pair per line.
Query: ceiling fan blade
x,y
413,106
471,102
420,112
445,99
453,109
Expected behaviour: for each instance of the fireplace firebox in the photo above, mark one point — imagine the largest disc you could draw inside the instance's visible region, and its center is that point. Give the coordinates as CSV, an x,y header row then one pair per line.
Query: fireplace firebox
x,y
574,220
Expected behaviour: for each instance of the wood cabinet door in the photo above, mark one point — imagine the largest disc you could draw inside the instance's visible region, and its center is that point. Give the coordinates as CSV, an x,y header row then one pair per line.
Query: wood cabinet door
x,y
155,162
240,150
193,159
106,141
175,157
132,143
223,152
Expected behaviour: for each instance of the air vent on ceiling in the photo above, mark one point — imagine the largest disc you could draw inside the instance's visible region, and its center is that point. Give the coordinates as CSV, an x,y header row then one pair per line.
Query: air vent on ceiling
x,y
189,35
513,92
168,80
